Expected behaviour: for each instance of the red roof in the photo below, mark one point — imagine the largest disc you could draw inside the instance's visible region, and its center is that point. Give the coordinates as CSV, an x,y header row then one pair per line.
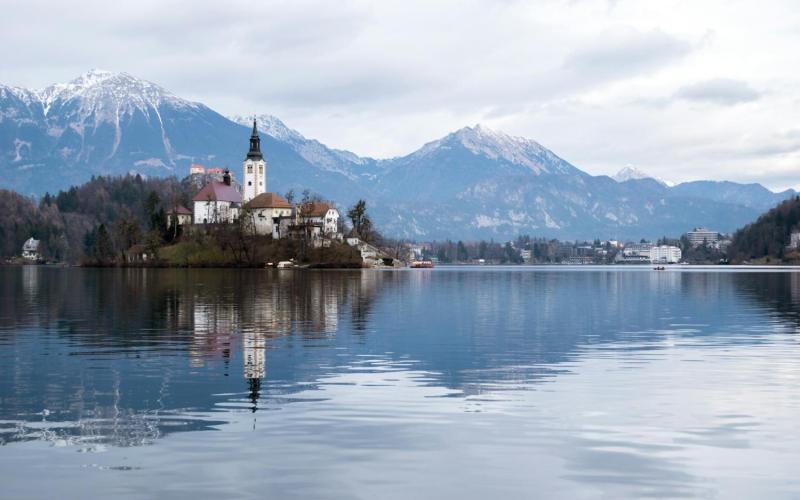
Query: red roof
x,y
315,209
218,191
268,200
179,210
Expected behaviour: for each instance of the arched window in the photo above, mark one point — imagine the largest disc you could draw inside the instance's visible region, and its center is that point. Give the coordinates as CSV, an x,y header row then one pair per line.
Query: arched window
x,y
261,169
249,169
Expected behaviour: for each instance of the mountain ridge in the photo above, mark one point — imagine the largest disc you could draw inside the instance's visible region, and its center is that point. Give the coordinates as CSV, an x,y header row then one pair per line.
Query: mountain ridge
x,y
472,183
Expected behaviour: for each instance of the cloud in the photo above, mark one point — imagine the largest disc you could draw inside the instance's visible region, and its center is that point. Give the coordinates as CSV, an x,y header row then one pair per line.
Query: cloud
x,y
722,91
624,53
594,80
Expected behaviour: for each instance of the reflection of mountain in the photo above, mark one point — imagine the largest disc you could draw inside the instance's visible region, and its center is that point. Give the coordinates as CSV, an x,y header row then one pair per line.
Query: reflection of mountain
x,y
125,356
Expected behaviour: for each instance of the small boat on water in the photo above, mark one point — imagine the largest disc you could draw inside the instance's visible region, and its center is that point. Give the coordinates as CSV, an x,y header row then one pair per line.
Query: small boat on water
x,y
659,268
421,264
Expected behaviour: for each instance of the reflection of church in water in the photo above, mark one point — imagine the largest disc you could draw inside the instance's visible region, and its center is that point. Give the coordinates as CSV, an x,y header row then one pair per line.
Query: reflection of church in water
x,y
265,311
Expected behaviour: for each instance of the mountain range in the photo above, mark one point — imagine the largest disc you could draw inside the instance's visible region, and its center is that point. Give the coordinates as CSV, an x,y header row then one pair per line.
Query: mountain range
x,y
472,183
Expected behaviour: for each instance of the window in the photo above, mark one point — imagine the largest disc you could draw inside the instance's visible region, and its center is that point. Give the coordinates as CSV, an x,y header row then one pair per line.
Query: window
x,y
249,169
249,183
260,169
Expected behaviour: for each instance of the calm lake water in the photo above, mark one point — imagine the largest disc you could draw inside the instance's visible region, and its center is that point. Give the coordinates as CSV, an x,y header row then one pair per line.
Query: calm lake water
x,y
448,383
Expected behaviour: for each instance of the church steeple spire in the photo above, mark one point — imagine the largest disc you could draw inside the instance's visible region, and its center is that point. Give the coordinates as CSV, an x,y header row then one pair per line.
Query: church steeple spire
x,y
255,144
254,180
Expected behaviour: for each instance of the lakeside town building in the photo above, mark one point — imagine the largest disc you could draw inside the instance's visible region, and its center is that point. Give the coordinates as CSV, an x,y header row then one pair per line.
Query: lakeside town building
x,y
665,254
794,240
634,253
703,236
30,249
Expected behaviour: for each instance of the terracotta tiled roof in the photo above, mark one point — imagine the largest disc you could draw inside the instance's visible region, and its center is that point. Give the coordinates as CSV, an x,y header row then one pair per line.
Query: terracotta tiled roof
x,y
315,209
268,200
179,210
218,191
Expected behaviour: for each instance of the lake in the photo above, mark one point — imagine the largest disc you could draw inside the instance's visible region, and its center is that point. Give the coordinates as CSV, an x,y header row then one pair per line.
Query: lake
x,y
470,382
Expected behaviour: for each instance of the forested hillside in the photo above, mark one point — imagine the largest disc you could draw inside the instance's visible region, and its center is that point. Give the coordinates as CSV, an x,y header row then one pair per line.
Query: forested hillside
x,y
121,210
768,237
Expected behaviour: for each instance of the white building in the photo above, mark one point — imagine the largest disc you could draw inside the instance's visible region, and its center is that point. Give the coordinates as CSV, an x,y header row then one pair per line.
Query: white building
x,y
179,215
30,249
255,169
665,254
217,202
794,240
267,210
324,218
702,236
634,253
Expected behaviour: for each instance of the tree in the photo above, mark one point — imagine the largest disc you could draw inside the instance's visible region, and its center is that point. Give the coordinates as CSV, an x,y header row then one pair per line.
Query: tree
x,y
362,224
462,253
103,246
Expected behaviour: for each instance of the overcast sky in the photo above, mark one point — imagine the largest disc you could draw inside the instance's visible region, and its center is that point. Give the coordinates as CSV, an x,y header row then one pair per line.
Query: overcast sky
x,y
681,89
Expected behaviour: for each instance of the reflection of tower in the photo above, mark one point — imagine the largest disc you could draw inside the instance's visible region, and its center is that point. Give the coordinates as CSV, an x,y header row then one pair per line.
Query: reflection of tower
x,y
254,359
254,348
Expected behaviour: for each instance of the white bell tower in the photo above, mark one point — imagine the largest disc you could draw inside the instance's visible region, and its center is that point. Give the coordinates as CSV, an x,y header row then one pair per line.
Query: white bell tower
x,y
255,169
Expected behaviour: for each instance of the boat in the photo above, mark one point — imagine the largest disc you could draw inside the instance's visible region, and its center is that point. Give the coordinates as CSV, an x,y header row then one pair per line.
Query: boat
x,y
421,264
659,268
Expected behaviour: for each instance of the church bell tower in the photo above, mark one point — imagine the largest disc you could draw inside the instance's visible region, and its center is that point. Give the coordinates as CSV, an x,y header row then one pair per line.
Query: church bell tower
x,y
255,169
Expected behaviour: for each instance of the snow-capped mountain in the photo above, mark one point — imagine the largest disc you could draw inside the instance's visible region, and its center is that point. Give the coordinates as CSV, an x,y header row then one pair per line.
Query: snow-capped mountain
x,y
474,182
497,146
104,122
486,184
631,173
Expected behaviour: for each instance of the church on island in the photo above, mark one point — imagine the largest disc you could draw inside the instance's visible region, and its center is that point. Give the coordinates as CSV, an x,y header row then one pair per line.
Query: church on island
x,y
220,201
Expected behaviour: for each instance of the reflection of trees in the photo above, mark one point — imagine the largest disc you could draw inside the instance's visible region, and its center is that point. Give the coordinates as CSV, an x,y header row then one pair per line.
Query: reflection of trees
x,y
135,321
778,291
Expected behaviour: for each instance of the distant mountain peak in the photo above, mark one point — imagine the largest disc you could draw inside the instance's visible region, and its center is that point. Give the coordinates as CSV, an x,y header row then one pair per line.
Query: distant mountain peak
x,y
629,172
481,140
98,87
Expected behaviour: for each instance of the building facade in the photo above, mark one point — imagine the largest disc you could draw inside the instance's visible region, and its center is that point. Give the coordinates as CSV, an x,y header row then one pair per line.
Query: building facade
x,y
322,216
267,210
634,253
665,254
179,215
30,249
702,236
255,169
794,240
218,202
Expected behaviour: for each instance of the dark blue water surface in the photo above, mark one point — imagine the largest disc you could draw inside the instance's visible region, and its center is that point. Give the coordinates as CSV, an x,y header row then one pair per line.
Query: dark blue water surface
x,y
448,383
